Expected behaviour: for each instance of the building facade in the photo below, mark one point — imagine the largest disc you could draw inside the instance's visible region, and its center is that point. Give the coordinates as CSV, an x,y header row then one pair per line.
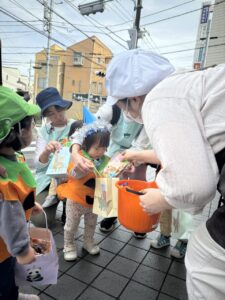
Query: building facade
x,y
13,79
202,36
216,45
75,73
56,69
83,62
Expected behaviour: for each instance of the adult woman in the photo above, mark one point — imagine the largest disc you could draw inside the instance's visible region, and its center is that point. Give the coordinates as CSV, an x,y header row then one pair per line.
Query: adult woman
x,y
183,117
53,107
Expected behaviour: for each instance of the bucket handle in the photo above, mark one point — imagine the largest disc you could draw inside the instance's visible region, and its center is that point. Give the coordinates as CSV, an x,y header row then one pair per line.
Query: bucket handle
x,y
134,192
46,220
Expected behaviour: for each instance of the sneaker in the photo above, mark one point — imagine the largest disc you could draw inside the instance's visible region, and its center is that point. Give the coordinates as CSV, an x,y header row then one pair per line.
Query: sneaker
x,y
139,235
179,249
91,249
107,224
28,297
70,255
50,201
161,242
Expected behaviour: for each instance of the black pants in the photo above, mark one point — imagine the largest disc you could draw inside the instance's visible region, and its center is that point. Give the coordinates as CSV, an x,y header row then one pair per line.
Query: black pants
x,y
8,288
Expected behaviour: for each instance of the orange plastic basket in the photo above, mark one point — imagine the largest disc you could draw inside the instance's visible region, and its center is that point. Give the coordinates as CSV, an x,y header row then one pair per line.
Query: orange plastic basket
x,y
130,213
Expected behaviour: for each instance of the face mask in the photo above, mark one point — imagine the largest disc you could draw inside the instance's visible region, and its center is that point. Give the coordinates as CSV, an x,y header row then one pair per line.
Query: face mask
x,y
129,117
138,119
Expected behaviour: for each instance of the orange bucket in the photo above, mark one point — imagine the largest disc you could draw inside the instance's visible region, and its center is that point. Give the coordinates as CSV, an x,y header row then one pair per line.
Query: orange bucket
x,y
130,213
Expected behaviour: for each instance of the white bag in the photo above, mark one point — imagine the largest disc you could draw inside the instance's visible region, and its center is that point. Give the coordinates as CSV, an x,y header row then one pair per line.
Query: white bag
x,y
59,163
106,197
44,270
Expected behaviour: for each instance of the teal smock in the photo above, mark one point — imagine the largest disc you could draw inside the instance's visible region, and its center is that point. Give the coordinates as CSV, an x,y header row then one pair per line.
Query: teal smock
x,y
48,135
122,135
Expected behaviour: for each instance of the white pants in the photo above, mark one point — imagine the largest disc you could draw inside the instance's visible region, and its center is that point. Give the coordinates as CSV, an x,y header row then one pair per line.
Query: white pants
x,y
74,211
205,263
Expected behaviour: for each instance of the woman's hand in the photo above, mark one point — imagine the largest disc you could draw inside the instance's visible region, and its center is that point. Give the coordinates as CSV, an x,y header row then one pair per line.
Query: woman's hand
x,y
153,202
27,258
129,155
37,209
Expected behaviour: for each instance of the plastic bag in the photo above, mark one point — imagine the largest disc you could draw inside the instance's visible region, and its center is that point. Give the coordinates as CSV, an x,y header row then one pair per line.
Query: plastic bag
x,y
44,270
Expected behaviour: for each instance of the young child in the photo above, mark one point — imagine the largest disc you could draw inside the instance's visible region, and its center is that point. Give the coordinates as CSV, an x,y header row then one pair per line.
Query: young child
x,y
79,191
17,190
74,126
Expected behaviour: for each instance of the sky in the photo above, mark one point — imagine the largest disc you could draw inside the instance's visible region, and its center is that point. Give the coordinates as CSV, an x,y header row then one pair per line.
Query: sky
x,y
170,28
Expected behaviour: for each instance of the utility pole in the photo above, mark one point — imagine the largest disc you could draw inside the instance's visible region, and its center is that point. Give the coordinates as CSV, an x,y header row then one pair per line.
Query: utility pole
x,y
48,29
135,32
29,78
1,81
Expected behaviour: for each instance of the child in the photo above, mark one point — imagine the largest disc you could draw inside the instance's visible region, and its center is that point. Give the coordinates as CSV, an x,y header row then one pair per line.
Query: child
x,y
79,191
74,126
17,190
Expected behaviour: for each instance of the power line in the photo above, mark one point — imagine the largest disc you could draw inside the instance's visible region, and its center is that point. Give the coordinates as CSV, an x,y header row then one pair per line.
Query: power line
x,y
76,9
39,31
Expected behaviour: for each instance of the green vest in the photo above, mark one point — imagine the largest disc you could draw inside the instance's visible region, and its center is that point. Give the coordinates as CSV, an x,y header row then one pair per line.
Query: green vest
x,y
122,135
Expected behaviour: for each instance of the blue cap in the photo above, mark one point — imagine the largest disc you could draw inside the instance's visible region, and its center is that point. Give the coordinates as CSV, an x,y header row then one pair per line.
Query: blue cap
x,y
49,97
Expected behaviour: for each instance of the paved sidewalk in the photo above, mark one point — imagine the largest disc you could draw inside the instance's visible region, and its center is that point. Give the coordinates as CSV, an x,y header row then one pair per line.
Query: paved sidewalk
x,y
126,268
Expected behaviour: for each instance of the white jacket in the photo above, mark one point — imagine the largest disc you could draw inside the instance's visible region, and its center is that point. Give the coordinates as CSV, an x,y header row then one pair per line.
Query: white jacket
x,y
184,117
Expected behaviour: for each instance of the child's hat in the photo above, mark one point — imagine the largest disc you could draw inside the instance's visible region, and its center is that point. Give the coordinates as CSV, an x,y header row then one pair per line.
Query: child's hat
x,y
13,109
134,73
49,97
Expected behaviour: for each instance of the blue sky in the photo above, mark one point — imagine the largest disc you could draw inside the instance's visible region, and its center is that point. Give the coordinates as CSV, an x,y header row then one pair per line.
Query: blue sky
x,y
170,35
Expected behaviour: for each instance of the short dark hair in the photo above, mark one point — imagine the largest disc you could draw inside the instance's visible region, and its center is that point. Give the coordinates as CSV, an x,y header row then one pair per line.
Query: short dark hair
x,y
74,126
13,138
100,138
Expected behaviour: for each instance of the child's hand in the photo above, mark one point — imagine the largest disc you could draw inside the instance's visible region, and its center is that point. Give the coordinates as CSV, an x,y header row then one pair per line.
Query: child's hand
x,y
82,164
37,209
3,172
27,258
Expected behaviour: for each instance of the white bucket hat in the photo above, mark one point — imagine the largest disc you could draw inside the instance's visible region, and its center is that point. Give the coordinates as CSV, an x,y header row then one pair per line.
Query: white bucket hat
x,y
134,73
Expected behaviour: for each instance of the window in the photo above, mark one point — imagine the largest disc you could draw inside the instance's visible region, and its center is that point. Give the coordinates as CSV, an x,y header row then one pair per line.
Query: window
x,y
94,87
200,54
54,57
73,82
7,77
100,88
98,60
41,83
78,58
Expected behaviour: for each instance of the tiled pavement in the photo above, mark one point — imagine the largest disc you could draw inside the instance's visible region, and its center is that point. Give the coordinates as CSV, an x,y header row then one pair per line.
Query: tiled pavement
x,y
126,268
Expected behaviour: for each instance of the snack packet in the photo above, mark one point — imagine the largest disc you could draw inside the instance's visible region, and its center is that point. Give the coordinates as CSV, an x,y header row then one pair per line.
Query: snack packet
x,y
115,166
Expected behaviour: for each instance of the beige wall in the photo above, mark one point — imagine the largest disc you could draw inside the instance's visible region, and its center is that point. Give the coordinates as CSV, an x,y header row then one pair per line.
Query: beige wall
x,y
77,79
56,69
